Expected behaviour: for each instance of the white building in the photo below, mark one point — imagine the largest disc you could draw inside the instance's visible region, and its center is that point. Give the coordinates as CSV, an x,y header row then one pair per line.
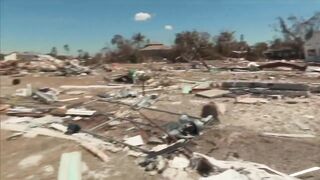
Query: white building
x,y
11,56
312,48
21,56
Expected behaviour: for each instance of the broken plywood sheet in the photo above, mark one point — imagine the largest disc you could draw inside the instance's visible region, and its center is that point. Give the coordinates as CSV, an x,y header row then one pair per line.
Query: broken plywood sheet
x,y
70,166
134,141
213,93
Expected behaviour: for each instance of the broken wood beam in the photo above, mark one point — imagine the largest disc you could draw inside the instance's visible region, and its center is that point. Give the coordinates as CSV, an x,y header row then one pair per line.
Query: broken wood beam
x,y
95,87
148,108
93,149
305,171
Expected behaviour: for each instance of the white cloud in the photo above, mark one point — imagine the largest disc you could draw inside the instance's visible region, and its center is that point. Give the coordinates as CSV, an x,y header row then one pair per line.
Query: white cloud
x,y
168,27
142,16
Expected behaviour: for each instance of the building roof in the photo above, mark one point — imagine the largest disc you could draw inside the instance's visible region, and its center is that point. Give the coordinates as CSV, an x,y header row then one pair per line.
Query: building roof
x,y
155,46
25,53
315,39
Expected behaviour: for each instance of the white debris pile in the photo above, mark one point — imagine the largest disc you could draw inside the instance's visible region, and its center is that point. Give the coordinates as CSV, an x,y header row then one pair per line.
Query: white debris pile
x,y
51,64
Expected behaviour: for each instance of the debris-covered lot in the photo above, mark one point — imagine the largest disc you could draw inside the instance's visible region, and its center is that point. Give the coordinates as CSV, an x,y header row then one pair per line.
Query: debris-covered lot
x,y
162,121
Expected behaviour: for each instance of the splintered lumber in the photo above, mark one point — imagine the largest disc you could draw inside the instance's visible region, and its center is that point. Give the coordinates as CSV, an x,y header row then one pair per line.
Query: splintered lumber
x,y
94,87
169,149
288,135
93,149
80,112
305,171
44,97
66,100
213,93
70,166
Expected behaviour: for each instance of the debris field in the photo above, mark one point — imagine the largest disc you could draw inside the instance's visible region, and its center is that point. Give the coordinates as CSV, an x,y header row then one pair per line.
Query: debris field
x,y
229,119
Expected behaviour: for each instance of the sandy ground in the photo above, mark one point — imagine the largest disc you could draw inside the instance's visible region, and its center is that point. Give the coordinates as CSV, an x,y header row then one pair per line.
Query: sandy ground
x,y
237,136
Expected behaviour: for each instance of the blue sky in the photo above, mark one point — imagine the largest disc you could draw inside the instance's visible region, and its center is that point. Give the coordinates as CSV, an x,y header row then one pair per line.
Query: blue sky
x,y
38,25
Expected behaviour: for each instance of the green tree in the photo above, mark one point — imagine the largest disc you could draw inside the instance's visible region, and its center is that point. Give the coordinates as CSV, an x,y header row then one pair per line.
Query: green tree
x,y
86,55
225,43
126,50
118,40
192,45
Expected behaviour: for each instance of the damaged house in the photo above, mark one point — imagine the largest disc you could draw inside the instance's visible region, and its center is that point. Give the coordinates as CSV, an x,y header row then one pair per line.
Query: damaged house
x,y
312,48
155,51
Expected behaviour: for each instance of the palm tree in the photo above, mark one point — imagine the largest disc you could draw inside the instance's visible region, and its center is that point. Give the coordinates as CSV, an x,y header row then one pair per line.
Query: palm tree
x,y
138,39
66,48
117,40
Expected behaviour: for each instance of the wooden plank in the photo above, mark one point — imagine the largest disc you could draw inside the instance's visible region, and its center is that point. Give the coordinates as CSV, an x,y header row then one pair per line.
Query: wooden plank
x,y
288,135
70,166
66,100
250,100
213,93
305,171
80,112
94,87
93,149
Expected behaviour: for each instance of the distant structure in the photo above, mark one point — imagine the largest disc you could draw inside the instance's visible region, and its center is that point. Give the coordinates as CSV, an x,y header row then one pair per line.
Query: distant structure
x,y
27,56
312,48
155,51
281,53
21,56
